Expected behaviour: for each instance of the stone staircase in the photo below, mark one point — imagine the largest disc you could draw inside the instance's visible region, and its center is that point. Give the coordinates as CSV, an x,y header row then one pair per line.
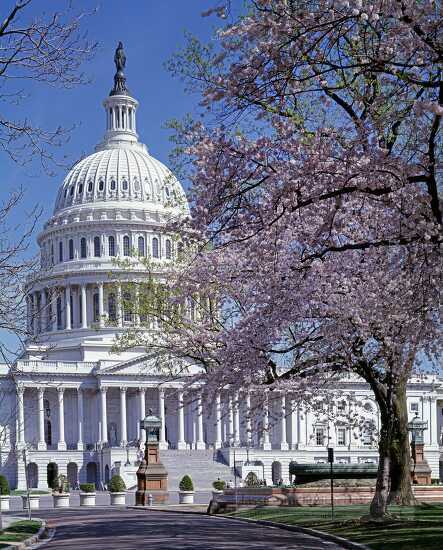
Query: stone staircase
x,y
200,465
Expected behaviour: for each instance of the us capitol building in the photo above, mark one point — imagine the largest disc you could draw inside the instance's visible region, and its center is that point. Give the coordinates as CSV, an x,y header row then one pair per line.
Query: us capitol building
x,y
71,405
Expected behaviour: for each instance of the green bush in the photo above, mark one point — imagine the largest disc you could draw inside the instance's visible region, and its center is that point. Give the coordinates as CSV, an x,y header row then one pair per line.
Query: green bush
x,y
4,486
117,485
87,487
186,484
219,485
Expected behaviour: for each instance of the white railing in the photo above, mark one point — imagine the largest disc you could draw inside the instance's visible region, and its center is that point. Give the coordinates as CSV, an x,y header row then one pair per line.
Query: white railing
x,y
56,366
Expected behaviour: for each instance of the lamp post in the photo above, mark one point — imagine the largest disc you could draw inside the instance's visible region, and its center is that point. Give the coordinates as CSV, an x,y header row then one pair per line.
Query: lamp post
x,y
421,472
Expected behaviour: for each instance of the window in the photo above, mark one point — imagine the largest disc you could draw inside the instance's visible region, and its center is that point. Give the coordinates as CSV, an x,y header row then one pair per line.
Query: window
x,y
113,185
97,247
155,249
341,407
80,189
60,251
319,435
95,309
71,191
59,314
83,247
80,311
52,254
341,436
89,186
413,407
111,246
125,185
126,247
101,185
130,118
71,301
141,246
168,249
112,309
71,249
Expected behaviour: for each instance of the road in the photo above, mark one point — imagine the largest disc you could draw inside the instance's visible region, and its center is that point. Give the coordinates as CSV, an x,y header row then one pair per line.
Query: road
x,y
124,529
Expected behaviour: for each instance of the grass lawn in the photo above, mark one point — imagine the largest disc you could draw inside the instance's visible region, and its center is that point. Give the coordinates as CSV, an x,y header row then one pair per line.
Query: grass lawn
x,y
414,527
18,531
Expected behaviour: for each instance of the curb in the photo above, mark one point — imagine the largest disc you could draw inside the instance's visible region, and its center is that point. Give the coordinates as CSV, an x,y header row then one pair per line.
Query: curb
x,y
158,509
346,543
32,540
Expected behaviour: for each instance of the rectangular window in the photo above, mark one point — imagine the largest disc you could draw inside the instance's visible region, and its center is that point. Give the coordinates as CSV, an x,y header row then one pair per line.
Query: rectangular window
x,y
341,407
413,407
341,436
319,436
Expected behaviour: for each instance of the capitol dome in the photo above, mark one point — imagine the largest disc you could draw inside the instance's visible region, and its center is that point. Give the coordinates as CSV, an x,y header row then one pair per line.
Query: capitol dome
x,y
120,173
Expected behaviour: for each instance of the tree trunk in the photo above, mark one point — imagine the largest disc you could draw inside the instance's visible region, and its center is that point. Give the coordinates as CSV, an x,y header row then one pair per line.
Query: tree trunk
x,y
400,452
378,507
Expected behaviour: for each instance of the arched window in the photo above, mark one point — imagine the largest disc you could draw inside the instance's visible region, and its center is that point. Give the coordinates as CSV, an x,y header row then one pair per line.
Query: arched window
x,y
96,313
83,247
111,246
97,247
112,308
80,189
89,186
141,246
155,248
52,253
71,191
126,247
101,185
60,251
168,249
113,185
125,185
71,249
59,314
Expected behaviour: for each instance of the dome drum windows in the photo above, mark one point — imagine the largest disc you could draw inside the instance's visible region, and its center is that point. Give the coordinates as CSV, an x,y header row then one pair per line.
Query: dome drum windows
x,y
83,248
101,185
155,248
125,184
141,246
168,249
113,185
71,249
90,186
126,246
97,247
60,251
111,246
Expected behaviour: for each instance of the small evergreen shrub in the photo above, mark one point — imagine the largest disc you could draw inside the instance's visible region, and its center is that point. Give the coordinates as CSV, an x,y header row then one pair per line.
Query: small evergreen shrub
x,y
219,485
186,484
4,486
117,485
87,487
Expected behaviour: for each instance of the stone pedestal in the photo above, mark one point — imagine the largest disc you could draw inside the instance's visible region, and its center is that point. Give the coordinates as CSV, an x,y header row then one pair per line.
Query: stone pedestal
x,y
152,477
420,469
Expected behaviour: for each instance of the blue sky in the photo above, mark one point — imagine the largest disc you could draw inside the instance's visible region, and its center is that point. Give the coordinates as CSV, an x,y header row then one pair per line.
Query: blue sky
x,y
151,32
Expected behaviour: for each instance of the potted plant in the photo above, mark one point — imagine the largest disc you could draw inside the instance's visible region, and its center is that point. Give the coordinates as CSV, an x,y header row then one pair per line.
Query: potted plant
x,y
34,501
60,492
218,487
4,494
186,492
117,488
87,494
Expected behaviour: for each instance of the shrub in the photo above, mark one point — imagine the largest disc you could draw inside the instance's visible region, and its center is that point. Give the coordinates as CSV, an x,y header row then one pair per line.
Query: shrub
x,y
61,484
186,484
4,486
117,485
219,485
87,487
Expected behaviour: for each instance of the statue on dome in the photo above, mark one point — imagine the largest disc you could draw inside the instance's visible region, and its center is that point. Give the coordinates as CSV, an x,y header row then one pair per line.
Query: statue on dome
x,y
119,77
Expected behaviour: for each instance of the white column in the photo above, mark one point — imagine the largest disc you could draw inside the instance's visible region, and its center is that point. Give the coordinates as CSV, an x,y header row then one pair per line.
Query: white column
x,y
218,425
123,424
248,425
43,311
41,445
21,416
101,309
142,413
230,421
119,308
283,437
104,415
61,445
293,419
68,307
163,444
236,421
433,420
200,438
80,445
266,443
84,307
181,443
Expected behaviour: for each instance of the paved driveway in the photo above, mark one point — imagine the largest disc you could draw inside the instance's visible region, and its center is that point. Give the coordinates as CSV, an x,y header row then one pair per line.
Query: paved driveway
x,y
110,528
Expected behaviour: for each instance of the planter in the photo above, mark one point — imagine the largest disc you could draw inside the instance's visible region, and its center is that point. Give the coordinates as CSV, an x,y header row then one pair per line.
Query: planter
x,y
216,494
186,497
61,500
118,499
34,502
87,499
4,503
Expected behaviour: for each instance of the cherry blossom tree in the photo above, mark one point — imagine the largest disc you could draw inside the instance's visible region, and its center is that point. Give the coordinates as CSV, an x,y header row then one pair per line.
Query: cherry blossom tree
x,y
315,207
